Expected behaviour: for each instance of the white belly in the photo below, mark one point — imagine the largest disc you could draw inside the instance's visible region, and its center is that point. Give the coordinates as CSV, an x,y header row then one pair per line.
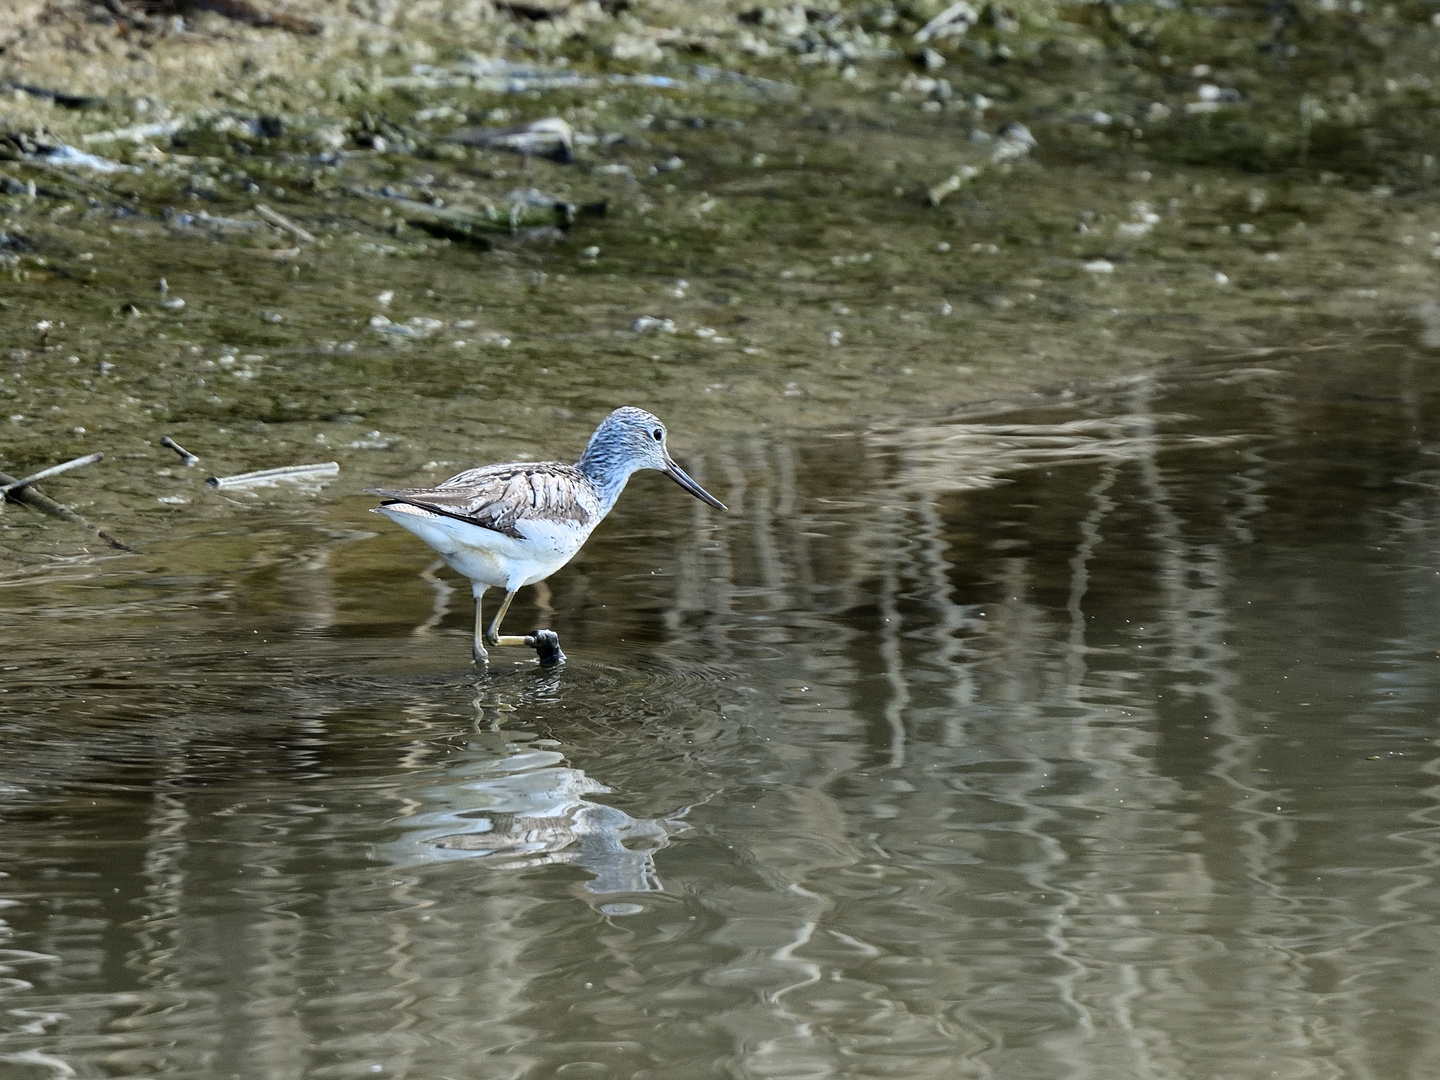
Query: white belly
x,y
488,557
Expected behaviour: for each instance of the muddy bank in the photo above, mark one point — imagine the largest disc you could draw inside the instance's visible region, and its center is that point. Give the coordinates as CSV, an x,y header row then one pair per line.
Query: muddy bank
x,y
425,235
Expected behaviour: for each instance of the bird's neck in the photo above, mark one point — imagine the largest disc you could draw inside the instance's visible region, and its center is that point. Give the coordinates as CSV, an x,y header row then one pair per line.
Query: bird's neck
x,y
607,472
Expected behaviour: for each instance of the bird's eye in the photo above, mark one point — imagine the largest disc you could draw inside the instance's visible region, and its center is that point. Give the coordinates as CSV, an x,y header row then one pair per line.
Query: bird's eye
x,y
658,433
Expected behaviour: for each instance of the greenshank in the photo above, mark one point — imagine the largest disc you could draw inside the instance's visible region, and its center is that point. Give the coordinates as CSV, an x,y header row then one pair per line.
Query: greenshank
x,y
508,526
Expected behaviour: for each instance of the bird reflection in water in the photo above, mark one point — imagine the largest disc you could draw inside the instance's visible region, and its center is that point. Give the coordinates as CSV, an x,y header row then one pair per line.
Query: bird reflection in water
x,y
519,806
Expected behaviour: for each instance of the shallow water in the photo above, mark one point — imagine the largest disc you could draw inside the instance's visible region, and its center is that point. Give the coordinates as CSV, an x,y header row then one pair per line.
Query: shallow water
x,y
1089,737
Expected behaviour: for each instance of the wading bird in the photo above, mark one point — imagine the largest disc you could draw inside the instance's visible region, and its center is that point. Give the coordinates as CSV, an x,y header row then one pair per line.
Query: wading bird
x,y
511,525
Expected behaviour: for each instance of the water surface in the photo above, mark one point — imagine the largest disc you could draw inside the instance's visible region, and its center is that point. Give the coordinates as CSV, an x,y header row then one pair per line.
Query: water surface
x,y
1089,736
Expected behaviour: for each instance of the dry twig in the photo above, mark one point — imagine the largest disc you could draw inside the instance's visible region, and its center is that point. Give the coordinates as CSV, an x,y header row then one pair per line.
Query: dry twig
x,y
23,491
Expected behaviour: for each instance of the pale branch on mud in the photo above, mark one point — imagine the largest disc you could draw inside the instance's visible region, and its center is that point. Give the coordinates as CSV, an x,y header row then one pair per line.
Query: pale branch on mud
x,y
280,221
23,492
266,477
7,487
185,455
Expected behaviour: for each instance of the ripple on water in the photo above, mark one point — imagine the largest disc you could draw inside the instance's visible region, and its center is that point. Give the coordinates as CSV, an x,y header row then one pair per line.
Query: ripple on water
x,y
1124,765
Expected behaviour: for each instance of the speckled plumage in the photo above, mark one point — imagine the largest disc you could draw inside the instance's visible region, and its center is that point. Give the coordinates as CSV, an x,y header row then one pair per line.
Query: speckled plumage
x,y
499,496
515,524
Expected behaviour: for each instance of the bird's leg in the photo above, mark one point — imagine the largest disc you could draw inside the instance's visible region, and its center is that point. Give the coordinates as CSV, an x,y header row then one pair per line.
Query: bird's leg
x,y
546,643
481,656
492,636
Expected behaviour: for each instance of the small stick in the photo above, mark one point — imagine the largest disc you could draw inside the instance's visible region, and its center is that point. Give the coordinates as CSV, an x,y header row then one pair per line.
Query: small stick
x,y
283,222
33,499
185,455
247,11
266,476
46,474
138,134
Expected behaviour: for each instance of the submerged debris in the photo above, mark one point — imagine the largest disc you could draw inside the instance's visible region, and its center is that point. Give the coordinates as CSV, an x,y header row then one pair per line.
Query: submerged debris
x,y
551,138
255,14
281,221
7,487
267,477
528,209
1013,141
137,134
60,97
955,21
185,220
243,11
524,200
418,327
706,74
503,77
23,491
185,455
24,146
450,223
943,190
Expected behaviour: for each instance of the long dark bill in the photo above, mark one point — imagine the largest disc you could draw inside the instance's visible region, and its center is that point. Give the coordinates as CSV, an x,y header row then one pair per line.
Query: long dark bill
x,y
680,477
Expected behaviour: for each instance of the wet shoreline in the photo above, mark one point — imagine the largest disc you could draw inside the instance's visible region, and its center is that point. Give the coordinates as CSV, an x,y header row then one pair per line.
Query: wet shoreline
x,y
771,219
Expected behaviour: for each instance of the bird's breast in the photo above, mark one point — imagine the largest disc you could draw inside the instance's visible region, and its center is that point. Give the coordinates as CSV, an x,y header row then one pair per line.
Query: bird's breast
x,y
559,539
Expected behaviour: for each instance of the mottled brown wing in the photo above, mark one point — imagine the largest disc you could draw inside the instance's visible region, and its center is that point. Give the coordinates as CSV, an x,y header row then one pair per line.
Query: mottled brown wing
x,y
499,496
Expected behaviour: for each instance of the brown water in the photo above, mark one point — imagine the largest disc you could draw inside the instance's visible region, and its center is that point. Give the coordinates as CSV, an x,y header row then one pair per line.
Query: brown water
x,y
1089,738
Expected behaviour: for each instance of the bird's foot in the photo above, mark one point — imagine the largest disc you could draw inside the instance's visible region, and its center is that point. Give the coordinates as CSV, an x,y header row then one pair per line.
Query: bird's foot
x,y
480,655
546,644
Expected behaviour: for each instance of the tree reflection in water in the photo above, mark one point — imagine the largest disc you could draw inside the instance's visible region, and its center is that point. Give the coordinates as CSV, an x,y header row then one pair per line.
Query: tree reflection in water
x,y
1088,736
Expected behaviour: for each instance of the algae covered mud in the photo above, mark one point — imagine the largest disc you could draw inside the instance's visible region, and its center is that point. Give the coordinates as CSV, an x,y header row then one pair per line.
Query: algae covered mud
x,y
395,235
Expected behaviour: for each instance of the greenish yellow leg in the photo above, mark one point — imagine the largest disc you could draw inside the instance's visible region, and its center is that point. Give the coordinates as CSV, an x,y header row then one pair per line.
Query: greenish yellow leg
x,y
481,656
492,636
544,642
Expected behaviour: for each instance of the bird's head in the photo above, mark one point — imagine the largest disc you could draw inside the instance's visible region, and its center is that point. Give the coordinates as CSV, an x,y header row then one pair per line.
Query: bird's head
x,y
631,439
